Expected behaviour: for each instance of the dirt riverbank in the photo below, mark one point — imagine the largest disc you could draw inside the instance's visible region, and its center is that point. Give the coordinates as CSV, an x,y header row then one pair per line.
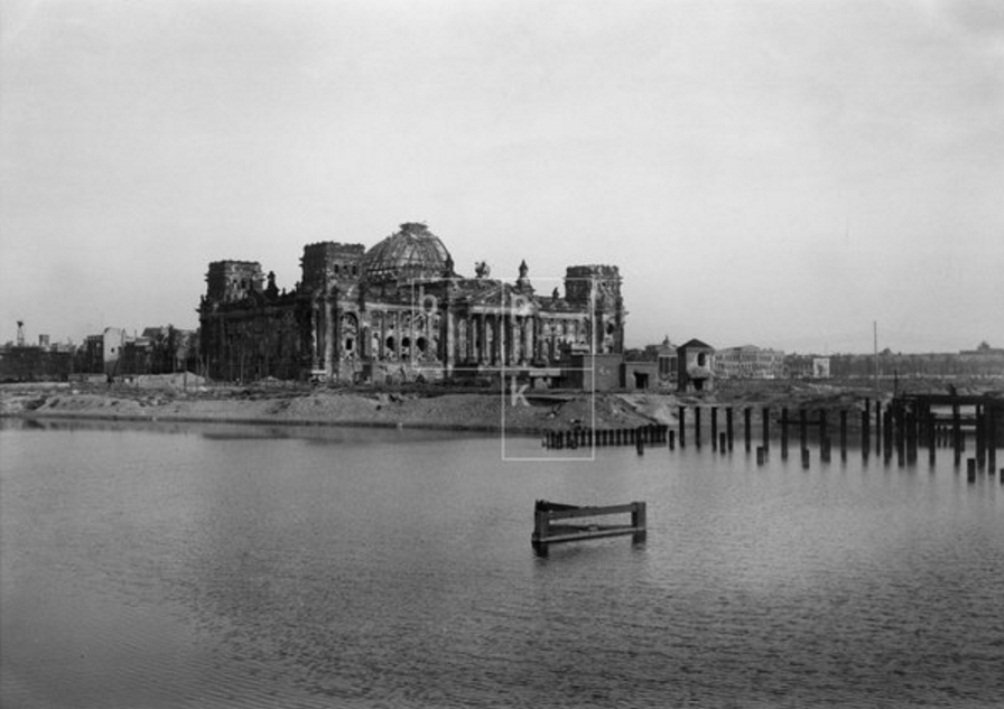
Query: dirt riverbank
x,y
475,411
485,410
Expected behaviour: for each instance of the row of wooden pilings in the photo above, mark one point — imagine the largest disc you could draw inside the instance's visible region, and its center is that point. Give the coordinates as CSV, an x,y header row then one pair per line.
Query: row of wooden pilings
x,y
901,428
601,437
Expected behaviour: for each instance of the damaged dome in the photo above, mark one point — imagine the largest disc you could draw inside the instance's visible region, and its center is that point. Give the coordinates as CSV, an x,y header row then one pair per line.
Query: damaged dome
x,y
413,252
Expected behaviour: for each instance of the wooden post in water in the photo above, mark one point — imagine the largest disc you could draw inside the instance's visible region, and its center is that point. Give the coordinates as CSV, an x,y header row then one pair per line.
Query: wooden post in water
x,y
683,424
746,420
932,441
865,442
957,433
766,428
824,437
912,425
728,425
991,438
805,458
672,439
784,433
866,422
722,447
843,434
980,437
803,428
971,469
697,426
878,428
887,434
639,520
714,428
541,526
899,416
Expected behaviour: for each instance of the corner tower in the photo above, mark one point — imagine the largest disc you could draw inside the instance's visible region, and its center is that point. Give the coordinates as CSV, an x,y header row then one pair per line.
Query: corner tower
x,y
233,281
597,289
328,263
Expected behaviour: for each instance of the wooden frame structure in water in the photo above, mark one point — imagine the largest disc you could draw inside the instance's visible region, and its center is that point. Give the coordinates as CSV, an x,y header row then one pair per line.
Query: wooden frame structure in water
x,y
546,533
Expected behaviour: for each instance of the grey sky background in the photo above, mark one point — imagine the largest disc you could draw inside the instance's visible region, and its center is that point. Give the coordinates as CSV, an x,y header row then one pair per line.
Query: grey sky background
x,y
775,173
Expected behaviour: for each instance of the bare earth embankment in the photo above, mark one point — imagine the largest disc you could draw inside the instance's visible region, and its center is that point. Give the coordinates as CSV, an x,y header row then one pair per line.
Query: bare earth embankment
x,y
474,411
170,399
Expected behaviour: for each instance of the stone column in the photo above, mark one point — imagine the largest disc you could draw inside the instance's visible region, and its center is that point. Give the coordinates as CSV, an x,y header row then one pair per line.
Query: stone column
x,y
412,338
451,337
475,338
484,352
489,340
493,351
499,347
528,324
515,355
397,335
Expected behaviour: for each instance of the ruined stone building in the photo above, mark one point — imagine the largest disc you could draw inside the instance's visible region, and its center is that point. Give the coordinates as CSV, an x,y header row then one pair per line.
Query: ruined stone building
x,y
400,311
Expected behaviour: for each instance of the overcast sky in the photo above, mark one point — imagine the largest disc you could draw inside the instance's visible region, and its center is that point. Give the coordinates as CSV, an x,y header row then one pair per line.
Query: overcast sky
x,y
779,173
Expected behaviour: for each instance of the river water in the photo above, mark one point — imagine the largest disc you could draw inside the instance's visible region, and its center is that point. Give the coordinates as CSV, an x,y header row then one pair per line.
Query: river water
x,y
226,566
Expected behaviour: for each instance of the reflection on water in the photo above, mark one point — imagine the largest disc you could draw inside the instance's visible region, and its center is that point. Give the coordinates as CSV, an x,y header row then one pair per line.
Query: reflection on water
x,y
223,566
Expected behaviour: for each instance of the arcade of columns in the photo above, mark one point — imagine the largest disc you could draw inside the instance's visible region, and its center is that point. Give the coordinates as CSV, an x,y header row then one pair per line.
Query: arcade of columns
x,y
482,336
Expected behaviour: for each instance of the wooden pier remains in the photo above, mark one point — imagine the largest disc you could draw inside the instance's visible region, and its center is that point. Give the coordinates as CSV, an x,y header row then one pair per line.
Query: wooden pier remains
x,y
582,437
550,527
897,429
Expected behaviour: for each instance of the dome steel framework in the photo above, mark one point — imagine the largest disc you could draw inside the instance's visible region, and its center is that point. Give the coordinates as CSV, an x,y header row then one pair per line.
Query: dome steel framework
x,y
413,252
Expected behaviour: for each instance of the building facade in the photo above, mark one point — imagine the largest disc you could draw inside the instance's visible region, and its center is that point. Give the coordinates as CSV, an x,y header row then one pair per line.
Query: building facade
x,y
399,311
749,362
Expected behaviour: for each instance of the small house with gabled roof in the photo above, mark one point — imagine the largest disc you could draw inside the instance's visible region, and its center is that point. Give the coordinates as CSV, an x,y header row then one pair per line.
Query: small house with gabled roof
x,y
696,364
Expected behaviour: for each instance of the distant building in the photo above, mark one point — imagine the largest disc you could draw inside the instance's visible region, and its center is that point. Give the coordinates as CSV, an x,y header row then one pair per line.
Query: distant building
x,y
159,350
820,367
639,376
666,360
659,370
695,366
113,341
29,363
749,362
984,360
101,353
